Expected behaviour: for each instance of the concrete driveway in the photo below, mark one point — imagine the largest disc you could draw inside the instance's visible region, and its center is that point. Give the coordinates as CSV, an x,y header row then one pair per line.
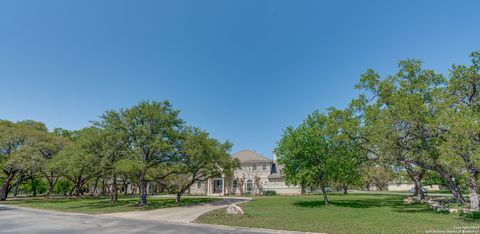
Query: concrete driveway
x,y
184,214
23,220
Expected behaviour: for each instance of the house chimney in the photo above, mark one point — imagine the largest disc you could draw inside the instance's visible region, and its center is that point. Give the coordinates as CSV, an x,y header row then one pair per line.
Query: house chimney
x,y
274,157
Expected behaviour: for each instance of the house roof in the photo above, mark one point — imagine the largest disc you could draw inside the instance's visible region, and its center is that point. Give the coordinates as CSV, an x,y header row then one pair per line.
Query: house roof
x,y
250,156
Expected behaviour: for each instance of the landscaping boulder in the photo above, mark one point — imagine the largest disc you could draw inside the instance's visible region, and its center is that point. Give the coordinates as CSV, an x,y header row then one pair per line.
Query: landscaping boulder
x,y
234,209
453,210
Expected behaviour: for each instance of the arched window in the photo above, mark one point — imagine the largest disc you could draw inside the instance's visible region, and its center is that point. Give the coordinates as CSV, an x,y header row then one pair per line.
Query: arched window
x,y
249,186
273,169
234,186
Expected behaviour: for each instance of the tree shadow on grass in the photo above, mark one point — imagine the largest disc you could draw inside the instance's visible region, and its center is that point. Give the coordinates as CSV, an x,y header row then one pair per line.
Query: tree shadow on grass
x,y
94,204
353,203
394,204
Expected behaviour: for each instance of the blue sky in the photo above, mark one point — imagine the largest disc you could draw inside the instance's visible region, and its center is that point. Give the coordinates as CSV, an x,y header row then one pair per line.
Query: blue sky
x,y
242,70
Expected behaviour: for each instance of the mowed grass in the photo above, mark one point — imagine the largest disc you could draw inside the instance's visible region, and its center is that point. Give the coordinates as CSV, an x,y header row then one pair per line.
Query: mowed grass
x,y
103,205
356,213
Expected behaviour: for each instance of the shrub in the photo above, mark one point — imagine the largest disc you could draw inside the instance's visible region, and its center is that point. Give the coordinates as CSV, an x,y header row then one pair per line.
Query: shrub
x,y
470,215
62,187
38,185
270,193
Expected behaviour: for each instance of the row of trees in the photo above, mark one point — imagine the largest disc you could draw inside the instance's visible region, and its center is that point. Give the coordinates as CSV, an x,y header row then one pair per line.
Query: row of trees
x,y
142,146
415,121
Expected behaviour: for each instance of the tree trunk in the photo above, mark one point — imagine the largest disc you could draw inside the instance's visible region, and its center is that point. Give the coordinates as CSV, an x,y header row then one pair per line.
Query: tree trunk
x,y
419,190
51,184
104,189
325,198
71,191
345,189
451,185
416,177
113,193
6,185
17,184
143,190
179,196
472,183
95,185
133,189
33,185
126,189
77,189
472,188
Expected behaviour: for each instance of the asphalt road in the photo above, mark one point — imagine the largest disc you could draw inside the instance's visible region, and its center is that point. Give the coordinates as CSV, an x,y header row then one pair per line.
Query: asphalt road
x,y
185,214
20,220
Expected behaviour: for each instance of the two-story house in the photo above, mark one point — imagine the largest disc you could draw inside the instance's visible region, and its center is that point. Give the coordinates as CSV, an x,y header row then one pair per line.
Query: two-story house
x,y
255,175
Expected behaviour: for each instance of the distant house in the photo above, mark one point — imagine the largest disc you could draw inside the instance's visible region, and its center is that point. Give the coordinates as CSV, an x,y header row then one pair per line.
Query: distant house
x,y
256,175
407,186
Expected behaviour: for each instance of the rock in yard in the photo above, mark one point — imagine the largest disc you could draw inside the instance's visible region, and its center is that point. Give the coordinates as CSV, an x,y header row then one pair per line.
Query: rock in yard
x,y
453,210
234,209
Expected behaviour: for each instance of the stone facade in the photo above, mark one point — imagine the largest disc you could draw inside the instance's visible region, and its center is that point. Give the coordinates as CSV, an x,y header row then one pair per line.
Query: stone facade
x,y
256,175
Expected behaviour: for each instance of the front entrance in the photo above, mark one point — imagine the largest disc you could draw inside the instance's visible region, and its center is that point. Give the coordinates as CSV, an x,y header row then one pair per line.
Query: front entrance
x,y
217,186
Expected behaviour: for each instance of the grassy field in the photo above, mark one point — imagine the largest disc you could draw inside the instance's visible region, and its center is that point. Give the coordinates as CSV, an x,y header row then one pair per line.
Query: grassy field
x,y
102,205
357,213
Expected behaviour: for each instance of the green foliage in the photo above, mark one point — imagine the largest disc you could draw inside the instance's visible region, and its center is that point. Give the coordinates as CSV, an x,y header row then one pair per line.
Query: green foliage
x,y
376,175
25,147
320,150
62,187
304,151
81,159
270,193
474,215
201,157
39,185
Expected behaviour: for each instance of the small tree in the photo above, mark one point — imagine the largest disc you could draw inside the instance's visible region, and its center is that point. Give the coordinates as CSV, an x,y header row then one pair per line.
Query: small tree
x,y
114,147
153,133
305,152
202,157
460,117
79,161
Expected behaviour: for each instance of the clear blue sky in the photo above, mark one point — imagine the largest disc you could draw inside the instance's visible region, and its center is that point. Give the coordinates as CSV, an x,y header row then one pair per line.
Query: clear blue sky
x,y
242,70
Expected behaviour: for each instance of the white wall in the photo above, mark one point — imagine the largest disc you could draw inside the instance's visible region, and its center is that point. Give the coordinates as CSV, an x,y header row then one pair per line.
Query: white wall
x,y
406,187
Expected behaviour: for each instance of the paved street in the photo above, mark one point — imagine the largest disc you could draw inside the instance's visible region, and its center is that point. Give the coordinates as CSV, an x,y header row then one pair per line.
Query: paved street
x,y
184,214
20,220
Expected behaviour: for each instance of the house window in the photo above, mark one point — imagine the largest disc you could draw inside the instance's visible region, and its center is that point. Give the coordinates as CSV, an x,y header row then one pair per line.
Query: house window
x,y
264,166
274,169
199,185
249,186
254,167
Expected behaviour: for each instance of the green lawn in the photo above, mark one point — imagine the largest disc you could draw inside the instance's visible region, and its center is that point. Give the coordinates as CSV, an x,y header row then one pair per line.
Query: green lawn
x,y
102,205
357,213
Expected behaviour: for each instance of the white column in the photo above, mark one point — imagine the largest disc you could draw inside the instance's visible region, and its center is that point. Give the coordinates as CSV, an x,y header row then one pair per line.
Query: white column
x,y
223,186
209,181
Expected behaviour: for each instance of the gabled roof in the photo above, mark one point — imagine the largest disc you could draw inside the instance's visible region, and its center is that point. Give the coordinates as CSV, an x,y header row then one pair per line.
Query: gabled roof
x,y
250,156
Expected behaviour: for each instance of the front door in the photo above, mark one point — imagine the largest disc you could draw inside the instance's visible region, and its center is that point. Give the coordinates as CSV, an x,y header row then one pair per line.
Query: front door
x,y
217,186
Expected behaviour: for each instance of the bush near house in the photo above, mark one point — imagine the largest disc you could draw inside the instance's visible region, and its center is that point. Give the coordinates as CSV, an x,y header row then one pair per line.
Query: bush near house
x,y
270,193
